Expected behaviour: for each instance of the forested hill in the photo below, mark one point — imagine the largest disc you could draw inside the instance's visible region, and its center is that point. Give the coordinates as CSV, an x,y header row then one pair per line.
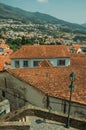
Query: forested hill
x,y
8,12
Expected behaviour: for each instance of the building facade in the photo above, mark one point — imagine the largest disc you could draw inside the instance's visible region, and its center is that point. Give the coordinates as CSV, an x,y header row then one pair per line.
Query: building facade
x,y
31,56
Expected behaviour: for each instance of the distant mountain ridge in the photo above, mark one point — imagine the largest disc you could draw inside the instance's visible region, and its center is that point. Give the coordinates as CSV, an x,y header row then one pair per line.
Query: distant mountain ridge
x,y
8,12
84,25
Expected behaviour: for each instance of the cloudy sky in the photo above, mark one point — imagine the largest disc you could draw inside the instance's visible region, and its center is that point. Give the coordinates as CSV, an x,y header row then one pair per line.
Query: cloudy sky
x,y
69,10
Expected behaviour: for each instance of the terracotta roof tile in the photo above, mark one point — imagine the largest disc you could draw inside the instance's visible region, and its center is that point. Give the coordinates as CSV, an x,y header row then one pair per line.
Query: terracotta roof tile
x,y
55,81
45,63
78,59
9,51
76,46
4,59
41,51
4,46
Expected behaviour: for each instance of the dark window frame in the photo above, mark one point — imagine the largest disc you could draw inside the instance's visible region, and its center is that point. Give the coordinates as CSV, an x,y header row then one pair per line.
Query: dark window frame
x,y
35,63
17,64
25,63
61,62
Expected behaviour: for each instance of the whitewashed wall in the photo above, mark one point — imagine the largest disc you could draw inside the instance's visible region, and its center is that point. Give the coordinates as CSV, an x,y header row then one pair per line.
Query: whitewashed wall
x,y
31,61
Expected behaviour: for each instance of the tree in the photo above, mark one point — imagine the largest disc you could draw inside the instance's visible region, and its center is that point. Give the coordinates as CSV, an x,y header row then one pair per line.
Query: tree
x,y
23,41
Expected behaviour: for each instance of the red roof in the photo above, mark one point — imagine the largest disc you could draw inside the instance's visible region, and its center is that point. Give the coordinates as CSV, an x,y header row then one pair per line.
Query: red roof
x,y
9,51
45,63
55,81
5,46
41,51
78,59
4,59
76,46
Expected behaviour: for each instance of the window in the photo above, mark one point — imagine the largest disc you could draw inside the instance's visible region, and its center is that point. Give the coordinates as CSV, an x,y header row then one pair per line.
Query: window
x,y
36,63
25,63
61,62
17,64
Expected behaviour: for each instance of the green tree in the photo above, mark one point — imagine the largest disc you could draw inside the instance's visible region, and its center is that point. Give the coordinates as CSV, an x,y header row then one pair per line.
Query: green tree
x,y
23,41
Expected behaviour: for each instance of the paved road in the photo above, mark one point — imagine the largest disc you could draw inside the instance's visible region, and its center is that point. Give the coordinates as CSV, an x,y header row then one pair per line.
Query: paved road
x,y
37,123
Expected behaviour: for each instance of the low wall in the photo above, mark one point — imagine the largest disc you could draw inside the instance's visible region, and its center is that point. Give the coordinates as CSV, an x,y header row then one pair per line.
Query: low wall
x,y
14,126
44,113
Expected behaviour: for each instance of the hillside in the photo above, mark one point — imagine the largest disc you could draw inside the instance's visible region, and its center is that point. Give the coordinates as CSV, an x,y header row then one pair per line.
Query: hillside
x,y
84,25
8,12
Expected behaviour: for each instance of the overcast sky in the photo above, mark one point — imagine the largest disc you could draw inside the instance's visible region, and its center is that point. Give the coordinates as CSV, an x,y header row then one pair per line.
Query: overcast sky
x,y
69,10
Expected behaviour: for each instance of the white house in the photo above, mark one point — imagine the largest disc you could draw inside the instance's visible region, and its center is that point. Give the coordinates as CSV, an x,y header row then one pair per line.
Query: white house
x,y
31,56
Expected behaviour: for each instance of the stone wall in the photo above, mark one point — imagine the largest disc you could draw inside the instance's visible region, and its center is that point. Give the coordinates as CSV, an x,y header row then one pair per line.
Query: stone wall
x,y
13,90
62,106
45,114
14,126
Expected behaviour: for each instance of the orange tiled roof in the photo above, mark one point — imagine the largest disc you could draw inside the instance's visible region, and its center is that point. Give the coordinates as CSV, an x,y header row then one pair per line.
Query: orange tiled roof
x,y
4,46
76,46
55,81
9,51
4,59
1,65
45,63
41,51
1,39
1,54
78,60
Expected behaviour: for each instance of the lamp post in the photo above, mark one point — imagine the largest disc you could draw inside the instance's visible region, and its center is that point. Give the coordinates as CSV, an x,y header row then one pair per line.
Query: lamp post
x,y
72,77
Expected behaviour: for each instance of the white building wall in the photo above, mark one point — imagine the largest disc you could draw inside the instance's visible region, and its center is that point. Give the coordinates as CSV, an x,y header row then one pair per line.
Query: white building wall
x,y
67,61
31,62
21,63
12,63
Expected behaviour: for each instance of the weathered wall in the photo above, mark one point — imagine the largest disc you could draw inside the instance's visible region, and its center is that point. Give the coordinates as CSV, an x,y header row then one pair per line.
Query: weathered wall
x,y
28,111
77,110
14,126
20,93
4,107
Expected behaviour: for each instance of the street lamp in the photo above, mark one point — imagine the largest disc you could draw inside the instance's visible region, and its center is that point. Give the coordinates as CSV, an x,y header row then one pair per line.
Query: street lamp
x,y
72,77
